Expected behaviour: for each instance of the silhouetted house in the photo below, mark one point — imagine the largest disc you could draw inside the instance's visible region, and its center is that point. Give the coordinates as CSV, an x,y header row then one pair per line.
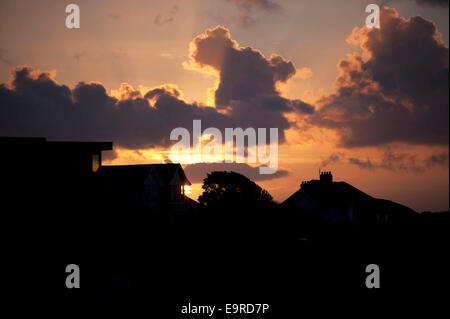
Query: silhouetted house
x,y
50,173
68,176
329,202
158,187
50,191
74,157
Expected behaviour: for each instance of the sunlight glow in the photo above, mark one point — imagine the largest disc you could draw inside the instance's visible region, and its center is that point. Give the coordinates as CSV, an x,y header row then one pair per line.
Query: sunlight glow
x,y
187,190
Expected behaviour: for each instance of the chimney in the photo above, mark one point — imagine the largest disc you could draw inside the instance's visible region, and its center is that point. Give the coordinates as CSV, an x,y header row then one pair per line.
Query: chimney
x,y
326,177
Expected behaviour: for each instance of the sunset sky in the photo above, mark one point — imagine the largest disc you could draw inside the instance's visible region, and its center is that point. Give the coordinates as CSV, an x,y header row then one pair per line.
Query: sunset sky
x,y
371,105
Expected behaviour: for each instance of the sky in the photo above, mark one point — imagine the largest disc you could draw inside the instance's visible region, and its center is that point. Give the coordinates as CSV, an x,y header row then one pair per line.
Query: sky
x,y
370,105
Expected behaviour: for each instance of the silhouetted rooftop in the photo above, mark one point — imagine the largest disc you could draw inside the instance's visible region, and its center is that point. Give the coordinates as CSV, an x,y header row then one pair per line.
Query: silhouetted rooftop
x,y
24,142
136,174
328,191
325,193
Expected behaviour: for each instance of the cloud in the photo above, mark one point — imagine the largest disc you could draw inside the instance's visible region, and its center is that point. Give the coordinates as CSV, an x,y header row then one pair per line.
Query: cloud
x,y
161,19
78,56
247,86
441,3
393,160
304,73
114,16
332,159
197,172
362,163
441,159
260,4
246,8
34,104
395,91
3,56
396,161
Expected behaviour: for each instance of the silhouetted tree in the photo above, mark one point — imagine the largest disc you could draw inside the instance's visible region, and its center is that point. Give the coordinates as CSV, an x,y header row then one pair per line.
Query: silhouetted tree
x,y
225,190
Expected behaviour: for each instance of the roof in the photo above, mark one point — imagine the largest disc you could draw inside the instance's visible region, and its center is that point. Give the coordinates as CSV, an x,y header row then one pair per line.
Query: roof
x,y
340,194
28,142
136,174
328,193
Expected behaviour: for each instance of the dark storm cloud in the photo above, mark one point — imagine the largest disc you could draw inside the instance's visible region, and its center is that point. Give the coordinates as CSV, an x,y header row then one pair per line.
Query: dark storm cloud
x,y
34,104
397,91
247,80
244,72
197,172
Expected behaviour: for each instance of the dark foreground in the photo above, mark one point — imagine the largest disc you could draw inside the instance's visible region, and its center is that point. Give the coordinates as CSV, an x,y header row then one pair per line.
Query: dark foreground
x,y
159,263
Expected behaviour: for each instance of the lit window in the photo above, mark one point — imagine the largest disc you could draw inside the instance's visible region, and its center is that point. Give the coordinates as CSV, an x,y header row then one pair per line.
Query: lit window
x,y
95,162
187,189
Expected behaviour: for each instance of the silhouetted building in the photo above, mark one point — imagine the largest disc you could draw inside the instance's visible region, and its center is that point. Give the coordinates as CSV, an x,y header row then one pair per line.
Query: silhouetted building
x,y
65,177
158,187
331,202
75,157
50,174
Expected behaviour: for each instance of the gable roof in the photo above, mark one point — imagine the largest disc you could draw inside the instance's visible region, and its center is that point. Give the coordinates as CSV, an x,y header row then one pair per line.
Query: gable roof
x,y
340,194
136,174
327,193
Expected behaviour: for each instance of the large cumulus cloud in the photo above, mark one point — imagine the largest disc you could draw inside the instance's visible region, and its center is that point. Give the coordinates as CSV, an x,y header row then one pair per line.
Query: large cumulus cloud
x,y
247,88
396,90
32,103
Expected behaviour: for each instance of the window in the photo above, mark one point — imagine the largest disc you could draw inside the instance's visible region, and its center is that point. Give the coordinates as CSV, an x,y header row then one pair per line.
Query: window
x,y
95,162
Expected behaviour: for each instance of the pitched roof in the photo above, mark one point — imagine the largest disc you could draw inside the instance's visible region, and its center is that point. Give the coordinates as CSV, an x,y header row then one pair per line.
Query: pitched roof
x,y
136,174
327,193
340,194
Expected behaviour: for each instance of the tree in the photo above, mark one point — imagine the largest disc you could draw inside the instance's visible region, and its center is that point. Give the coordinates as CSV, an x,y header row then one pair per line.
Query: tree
x,y
225,190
